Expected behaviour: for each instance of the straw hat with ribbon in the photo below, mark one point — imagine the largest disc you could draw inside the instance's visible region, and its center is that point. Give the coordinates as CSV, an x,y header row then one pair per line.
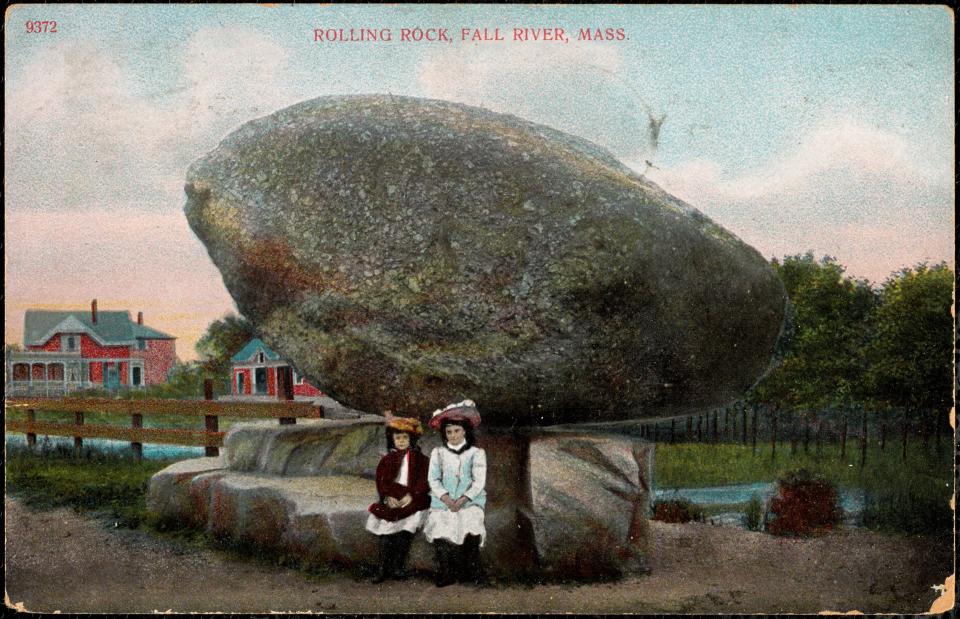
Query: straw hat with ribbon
x,y
403,424
461,411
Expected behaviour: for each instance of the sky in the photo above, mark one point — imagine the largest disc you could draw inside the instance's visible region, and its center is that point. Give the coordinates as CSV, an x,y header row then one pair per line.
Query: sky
x,y
820,128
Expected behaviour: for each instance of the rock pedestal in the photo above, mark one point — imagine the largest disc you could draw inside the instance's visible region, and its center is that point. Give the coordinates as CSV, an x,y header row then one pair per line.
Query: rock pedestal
x,y
560,504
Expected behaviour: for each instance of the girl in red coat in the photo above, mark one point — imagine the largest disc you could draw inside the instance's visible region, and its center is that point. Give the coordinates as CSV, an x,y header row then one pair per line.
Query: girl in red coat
x,y
404,496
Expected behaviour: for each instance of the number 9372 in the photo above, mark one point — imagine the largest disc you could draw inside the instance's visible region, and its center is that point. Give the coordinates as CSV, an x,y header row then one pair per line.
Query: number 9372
x,y
41,27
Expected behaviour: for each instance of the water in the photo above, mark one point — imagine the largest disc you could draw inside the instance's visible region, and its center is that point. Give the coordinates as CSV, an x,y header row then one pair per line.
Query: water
x,y
719,495
852,500
151,451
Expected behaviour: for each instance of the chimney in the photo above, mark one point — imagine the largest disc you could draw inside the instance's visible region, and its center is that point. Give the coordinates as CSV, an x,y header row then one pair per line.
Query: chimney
x,y
139,318
93,311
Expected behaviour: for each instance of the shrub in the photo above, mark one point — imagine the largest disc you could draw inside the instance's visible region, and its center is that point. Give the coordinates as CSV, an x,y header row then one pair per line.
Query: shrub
x,y
677,510
909,510
805,504
754,513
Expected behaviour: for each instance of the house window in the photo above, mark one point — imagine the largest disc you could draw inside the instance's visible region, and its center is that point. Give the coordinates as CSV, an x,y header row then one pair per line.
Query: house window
x,y
297,379
137,376
260,357
141,344
69,343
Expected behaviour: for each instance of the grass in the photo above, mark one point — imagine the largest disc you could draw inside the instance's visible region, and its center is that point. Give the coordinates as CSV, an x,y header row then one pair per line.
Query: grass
x,y
692,465
909,495
109,484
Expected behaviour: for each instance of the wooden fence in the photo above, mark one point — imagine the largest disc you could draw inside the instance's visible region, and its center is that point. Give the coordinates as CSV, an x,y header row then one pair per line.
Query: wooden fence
x,y
804,430
287,412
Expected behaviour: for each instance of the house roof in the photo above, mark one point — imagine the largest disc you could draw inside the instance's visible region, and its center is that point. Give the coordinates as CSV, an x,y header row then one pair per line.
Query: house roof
x,y
112,327
251,347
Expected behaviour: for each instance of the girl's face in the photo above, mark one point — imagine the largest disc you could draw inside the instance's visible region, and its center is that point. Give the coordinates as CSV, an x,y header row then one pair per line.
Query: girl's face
x,y
455,434
401,440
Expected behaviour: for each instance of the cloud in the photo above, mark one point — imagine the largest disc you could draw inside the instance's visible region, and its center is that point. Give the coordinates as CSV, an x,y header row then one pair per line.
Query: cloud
x,y
76,114
544,83
95,169
870,197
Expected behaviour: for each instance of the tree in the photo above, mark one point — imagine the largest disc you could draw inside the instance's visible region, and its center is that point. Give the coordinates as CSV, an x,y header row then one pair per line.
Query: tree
x,y
824,363
911,351
223,339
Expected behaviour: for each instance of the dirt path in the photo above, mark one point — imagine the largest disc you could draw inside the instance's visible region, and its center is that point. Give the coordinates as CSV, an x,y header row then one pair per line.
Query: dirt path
x,y
58,560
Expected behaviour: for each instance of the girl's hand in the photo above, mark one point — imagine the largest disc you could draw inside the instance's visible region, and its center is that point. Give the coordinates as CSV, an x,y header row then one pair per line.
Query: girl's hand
x,y
460,503
392,503
406,500
450,503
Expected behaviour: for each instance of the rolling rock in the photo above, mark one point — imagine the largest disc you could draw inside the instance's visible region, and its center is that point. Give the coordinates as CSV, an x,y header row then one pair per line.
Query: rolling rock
x,y
407,253
559,503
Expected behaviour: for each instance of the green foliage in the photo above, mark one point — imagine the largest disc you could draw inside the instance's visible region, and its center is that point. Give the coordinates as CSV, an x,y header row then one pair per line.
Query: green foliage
x,y
908,509
107,483
223,339
850,344
911,352
823,365
755,513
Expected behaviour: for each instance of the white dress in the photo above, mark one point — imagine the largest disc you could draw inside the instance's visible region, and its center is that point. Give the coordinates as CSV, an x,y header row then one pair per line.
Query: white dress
x,y
411,523
455,526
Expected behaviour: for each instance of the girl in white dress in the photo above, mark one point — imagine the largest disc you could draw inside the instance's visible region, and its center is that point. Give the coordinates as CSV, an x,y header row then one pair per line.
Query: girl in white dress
x,y
457,478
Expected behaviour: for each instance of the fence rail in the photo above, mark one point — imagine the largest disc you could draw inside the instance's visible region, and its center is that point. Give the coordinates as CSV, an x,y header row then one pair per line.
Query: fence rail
x,y
255,410
168,436
210,437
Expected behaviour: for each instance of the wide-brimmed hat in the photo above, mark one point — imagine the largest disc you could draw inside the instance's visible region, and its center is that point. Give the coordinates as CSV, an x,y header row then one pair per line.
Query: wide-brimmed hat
x,y
461,411
404,424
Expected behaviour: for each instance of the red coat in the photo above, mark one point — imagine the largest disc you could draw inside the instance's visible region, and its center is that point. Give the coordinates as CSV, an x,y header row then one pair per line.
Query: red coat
x,y
417,485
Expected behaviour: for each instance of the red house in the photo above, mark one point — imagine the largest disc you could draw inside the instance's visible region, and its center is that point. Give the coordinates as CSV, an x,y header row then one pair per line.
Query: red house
x,y
66,351
259,372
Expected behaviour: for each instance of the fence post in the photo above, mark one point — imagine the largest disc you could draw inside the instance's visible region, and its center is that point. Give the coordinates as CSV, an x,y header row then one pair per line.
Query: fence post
x,y
689,433
937,419
137,422
773,438
726,423
211,422
906,429
31,437
673,429
843,440
716,423
794,435
743,418
754,430
699,428
285,421
77,440
863,440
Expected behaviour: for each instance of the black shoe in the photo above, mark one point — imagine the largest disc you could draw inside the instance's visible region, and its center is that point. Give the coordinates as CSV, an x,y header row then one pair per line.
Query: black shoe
x,y
471,571
444,575
384,547
399,554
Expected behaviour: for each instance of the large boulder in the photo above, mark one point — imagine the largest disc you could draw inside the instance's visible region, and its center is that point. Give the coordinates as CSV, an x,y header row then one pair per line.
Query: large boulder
x,y
408,253
559,504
